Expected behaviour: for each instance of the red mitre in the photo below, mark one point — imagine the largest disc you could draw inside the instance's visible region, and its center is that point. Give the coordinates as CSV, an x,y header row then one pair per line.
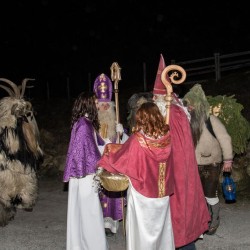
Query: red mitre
x,y
159,88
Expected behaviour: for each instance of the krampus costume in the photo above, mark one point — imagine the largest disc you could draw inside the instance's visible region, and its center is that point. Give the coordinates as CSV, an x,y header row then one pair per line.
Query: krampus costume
x,y
20,153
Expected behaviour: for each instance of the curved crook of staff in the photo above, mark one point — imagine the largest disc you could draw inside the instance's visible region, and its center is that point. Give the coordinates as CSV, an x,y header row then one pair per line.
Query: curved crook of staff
x,y
174,78
116,77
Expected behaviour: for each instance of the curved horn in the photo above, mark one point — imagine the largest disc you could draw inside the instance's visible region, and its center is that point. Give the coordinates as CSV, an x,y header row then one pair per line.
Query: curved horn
x,y
24,85
10,92
13,85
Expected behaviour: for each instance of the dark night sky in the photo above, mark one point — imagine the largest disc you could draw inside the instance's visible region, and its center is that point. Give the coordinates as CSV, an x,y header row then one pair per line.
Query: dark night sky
x,y
53,39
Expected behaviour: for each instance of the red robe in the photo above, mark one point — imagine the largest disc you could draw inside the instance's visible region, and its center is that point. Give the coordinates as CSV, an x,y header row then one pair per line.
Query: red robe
x,y
189,210
144,161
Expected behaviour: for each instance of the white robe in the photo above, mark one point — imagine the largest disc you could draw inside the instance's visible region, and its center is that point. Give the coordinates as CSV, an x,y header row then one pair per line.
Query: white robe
x,y
148,222
85,226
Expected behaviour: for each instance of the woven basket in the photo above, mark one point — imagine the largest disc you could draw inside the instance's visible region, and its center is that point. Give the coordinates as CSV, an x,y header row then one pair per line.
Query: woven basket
x,y
113,182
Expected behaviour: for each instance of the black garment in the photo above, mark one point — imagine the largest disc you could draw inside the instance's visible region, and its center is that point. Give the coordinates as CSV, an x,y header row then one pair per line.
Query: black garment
x,y
190,246
209,175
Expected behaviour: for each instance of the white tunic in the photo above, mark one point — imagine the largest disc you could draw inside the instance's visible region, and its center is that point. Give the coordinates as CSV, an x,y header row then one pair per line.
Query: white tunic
x,y
148,222
85,226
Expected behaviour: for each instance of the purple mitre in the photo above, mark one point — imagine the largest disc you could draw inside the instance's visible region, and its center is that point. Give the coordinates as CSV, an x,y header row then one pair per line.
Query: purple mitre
x,y
103,88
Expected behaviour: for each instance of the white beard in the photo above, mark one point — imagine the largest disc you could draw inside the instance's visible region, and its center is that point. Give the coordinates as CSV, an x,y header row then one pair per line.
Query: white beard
x,y
108,117
161,103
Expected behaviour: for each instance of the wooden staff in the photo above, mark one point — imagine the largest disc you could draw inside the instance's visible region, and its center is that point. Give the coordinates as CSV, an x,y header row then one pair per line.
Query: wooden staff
x,y
175,69
116,77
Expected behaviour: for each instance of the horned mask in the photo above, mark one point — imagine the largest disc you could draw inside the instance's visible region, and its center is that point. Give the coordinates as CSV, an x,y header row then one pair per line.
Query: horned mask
x,y
15,111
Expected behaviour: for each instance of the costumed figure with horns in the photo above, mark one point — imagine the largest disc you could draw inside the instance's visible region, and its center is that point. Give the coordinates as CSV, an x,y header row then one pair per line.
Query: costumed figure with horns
x,y
189,212
20,152
111,131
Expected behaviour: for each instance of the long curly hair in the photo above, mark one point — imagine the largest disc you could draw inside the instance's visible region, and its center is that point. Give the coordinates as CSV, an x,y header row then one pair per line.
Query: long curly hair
x,y
150,120
85,105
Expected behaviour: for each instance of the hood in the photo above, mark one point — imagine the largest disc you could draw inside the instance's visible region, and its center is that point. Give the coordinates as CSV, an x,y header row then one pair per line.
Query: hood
x,y
158,149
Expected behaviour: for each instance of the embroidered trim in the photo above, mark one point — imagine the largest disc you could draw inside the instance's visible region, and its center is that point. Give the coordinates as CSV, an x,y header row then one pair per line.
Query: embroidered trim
x,y
161,179
152,143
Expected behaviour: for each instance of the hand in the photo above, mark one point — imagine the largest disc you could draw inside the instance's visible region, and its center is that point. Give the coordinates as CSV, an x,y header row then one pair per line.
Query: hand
x,y
119,128
107,140
99,170
227,166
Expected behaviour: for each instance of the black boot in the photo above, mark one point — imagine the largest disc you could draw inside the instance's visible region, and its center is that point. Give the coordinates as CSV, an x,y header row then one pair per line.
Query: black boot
x,y
108,232
215,219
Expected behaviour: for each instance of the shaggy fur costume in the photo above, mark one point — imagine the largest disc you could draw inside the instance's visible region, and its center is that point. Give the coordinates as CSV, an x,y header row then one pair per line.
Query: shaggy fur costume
x,y
20,153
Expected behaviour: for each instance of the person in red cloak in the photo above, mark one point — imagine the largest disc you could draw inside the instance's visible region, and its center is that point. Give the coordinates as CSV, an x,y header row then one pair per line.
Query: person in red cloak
x,y
189,212
144,158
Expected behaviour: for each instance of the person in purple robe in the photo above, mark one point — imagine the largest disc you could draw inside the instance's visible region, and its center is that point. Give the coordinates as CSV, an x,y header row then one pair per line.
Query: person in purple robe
x,y
112,202
85,224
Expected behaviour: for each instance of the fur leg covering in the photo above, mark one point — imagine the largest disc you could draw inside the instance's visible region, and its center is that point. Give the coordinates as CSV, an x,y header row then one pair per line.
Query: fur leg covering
x,y
18,189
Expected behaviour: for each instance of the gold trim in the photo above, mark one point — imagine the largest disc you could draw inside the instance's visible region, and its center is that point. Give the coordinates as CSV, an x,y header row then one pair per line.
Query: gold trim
x,y
151,143
161,179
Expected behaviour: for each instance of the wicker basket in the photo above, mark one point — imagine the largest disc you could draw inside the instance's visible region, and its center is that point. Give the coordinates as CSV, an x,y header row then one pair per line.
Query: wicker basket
x,y
113,182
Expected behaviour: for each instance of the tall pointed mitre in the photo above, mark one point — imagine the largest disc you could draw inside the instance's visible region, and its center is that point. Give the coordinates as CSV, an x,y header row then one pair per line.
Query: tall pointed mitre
x,y
159,88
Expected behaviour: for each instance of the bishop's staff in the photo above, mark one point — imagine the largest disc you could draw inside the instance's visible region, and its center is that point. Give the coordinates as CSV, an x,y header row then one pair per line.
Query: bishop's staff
x,y
116,77
167,80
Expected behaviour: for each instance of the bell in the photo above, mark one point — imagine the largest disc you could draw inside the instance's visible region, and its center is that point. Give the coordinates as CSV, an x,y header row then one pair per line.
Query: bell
x,y
229,188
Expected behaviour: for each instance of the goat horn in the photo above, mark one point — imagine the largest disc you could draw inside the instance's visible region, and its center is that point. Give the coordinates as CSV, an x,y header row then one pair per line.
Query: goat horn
x,y
13,85
10,92
24,85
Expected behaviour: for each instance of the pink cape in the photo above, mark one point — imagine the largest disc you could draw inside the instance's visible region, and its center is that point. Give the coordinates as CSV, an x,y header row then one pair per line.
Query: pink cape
x,y
139,158
189,212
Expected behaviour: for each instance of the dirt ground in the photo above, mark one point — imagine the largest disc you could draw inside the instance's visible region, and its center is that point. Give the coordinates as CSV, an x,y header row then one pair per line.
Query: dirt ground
x,y
45,227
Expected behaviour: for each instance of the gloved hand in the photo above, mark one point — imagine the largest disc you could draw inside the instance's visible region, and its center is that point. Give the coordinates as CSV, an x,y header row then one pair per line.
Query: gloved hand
x,y
107,140
99,170
119,128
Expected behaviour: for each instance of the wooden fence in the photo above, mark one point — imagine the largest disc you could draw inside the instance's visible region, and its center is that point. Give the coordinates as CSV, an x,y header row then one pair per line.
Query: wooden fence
x,y
199,70
214,66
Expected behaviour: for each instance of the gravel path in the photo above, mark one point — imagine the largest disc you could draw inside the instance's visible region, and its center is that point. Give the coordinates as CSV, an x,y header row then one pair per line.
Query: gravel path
x,y
45,227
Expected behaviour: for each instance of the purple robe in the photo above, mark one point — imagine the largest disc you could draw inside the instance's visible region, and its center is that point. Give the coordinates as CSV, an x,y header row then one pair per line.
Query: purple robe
x,y
83,152
113,202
